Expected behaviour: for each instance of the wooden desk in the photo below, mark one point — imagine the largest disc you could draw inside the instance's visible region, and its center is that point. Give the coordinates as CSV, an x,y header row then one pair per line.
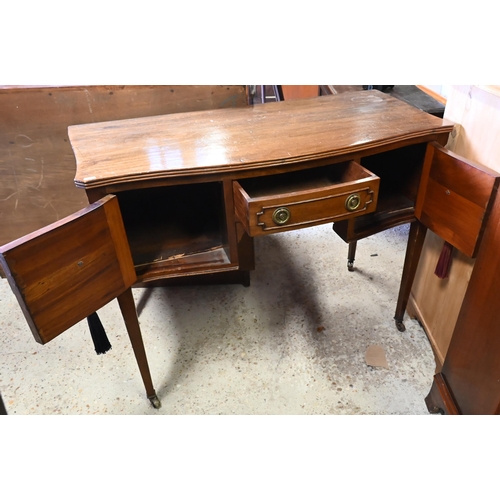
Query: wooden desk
x,y
195,188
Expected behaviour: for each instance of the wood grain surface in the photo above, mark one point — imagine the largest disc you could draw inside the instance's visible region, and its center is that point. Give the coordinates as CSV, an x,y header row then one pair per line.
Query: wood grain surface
x,y
215,141
66,271
455,197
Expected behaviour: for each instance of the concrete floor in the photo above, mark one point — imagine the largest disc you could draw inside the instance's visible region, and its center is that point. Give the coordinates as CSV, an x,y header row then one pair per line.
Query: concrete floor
x,y
294,342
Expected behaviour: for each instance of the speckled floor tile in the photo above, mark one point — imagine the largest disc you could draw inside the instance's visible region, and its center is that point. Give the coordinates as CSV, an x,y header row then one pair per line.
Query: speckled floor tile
x,y
293,342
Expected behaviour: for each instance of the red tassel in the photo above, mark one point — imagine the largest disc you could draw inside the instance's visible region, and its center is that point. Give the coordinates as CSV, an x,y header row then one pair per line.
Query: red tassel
x,y
444,262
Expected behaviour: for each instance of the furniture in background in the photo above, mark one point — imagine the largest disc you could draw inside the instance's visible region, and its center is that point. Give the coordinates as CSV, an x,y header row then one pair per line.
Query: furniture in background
x,y
460,313
437,302
454,200
290,92
273,93
417,97
469,381
65,272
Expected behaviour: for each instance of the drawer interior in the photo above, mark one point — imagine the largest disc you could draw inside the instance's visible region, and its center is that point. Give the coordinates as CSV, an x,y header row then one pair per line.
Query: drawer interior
x,y
304,180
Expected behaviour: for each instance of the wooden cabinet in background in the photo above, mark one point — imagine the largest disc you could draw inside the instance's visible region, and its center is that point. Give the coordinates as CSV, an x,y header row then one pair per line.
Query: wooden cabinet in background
x,y
454,200
469,381
436,302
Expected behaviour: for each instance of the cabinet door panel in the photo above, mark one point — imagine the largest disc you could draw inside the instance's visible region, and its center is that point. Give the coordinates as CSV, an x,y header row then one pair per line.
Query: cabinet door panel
x,y
455,198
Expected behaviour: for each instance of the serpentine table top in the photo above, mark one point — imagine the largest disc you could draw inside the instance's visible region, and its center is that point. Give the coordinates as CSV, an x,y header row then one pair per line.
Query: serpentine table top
x,y
218,142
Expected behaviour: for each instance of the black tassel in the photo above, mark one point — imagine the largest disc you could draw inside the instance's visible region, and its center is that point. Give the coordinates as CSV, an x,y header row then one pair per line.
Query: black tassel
x,y
3,411
101,342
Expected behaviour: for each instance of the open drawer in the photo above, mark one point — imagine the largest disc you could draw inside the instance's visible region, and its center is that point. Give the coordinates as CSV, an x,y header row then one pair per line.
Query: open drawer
x,y
304,198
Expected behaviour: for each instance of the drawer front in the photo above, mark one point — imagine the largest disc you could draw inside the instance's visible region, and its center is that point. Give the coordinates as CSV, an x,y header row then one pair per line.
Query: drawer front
x,y
455,197
303,208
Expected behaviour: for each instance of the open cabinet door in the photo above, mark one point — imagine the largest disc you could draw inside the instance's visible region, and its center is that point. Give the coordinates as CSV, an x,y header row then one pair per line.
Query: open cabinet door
x,y
454,200
65,272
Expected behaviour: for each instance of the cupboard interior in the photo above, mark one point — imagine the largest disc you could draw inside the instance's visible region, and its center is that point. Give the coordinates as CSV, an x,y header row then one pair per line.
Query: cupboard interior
x,y
174,229
399,171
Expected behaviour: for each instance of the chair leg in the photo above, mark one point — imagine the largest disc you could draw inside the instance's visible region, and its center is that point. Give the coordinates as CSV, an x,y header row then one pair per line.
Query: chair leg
x,y
413,250
351,254
129,313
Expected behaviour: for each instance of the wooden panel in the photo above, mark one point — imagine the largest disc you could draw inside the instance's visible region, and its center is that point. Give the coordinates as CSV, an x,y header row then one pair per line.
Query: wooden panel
x,y
439,300
70,269
299,91
471,369
454,198
37,164
205,262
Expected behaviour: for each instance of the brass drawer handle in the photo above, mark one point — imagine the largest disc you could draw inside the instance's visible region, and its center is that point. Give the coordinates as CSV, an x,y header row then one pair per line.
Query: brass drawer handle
x,y
353,202
281,216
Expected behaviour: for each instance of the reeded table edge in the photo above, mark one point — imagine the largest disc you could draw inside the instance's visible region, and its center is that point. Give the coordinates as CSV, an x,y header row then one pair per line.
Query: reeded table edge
x,y
88,183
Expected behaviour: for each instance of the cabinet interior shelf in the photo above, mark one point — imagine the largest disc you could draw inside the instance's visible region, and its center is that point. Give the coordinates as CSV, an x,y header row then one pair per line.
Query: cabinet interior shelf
x,y
175,229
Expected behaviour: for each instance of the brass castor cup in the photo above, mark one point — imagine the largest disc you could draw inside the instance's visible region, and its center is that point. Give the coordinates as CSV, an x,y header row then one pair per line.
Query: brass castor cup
x,y
155,401
435,410
400,325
